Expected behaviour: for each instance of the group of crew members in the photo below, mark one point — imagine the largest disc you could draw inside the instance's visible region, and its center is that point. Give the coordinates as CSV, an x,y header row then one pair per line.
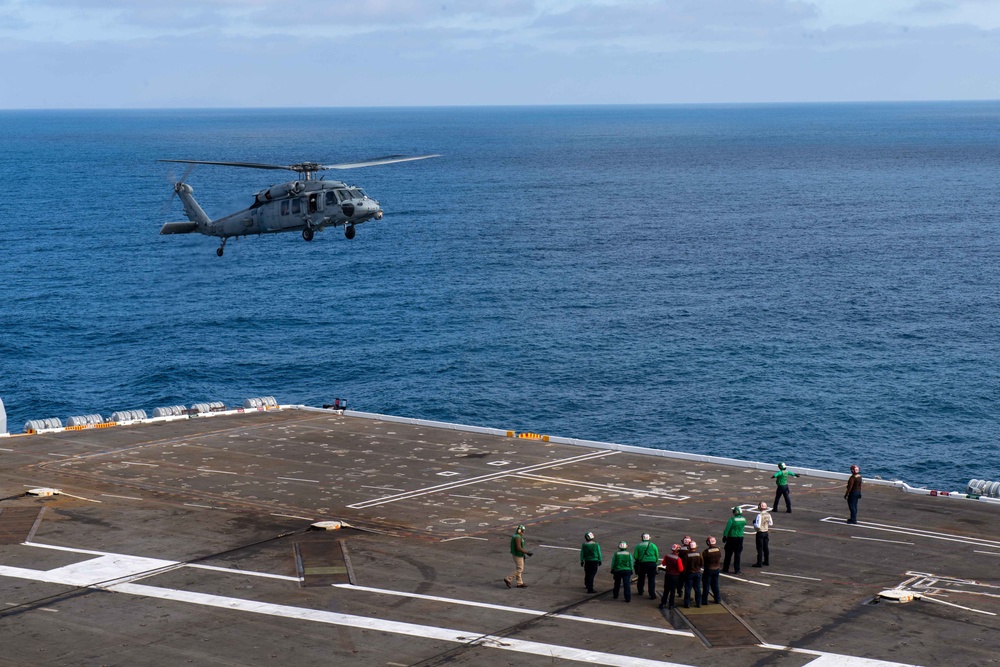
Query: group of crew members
x,y
687,571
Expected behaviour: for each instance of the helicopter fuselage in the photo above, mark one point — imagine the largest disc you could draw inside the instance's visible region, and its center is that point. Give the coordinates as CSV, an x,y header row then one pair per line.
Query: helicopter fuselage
x,y
297,205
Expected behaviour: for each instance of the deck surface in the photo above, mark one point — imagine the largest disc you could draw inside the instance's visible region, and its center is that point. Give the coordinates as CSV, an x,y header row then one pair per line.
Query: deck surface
x,y
188,543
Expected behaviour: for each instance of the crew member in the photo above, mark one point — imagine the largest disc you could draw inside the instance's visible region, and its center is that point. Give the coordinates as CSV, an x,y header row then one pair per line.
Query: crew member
x,y
693,565
781,479
762,524
732,538
673,565
621,568
646,556
683,576
518,551
590,559
853,494
712,557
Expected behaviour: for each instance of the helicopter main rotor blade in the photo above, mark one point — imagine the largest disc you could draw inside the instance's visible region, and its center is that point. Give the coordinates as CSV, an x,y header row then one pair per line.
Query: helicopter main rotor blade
x,y
251,165
371,162
309,168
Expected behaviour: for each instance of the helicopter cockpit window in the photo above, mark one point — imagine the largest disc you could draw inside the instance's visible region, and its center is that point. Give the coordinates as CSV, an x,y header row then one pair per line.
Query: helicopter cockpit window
x,y
284,207
357,193
343,195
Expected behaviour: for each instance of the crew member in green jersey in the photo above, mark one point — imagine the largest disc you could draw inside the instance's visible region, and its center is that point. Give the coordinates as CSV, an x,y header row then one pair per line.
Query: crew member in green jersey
x,y
621,567
518,551
732,537
781,479
590,559
646,556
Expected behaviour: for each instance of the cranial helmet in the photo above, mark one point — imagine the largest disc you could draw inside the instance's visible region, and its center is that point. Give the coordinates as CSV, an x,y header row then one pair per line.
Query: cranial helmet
x,y
687,540
623,545
781,466
737,511
675,547
855,469
589,537
520,528
693,545
762,506
645,537
711,541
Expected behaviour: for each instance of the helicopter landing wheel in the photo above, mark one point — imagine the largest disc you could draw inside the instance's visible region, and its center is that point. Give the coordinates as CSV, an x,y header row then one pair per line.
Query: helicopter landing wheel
x,y
222,248
307,234
218,252
349,231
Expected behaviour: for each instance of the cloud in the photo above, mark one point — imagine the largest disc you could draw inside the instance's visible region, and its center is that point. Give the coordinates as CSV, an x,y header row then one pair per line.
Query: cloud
x,y
131,53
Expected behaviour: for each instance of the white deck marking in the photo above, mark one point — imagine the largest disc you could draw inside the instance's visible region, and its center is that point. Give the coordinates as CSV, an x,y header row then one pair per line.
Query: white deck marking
x,y
835,659
455,495
465,537
296,479
5,449
249,573
784,530
793,576
207,507
657,516
221,472
745,581
396,627
916,532
656,493
136,463
929,598
108,495
875,539
115,572
517,610
988,553
89,500
292,516
384,500
551,546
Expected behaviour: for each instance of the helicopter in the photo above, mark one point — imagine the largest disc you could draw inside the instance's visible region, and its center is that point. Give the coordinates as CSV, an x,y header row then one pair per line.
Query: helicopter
x,y
308,204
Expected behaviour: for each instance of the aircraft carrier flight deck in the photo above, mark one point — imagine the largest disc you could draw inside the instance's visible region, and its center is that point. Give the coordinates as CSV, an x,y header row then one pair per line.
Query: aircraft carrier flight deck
x,y
192,541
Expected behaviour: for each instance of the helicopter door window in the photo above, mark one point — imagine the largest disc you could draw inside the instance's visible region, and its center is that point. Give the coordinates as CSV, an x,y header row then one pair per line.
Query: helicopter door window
x,y
313,202
296,205
284,207
331,198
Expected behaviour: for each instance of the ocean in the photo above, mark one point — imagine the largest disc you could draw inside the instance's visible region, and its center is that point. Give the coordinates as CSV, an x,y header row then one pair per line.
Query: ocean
x,y
815,284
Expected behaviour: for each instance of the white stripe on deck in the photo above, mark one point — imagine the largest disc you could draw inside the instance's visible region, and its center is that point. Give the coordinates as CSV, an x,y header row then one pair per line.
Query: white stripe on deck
x,y
476,480
116,572
515,610
916,532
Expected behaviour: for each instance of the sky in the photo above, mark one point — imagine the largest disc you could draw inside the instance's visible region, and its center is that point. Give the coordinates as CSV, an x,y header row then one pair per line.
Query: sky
x,y
64,54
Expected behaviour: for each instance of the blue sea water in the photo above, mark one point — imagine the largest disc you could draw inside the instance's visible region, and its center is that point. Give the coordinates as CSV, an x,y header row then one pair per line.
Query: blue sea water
x,y
810,283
